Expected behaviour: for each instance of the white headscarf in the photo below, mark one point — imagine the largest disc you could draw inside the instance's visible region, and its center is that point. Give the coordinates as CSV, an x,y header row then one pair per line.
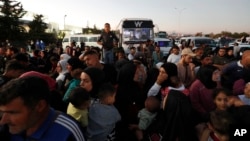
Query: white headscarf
x,y
65,57
63,64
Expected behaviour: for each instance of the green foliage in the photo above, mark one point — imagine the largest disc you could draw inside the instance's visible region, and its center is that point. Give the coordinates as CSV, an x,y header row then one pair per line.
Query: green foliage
x,y
10,25
60,35
37,26
93,30
235,35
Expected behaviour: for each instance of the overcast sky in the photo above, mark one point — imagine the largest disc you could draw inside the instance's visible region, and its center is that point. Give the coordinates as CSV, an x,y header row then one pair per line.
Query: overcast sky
x,y
187,16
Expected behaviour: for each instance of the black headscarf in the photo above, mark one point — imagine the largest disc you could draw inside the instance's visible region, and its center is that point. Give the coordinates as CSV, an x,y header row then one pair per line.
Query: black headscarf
x,y
171,70
97,77
128,93
205,74
176,120
179,116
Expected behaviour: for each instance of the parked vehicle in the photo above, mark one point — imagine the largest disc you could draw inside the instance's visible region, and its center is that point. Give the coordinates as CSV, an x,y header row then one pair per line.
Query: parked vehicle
x,y
196,42
88,39
164,44
241,48
134,31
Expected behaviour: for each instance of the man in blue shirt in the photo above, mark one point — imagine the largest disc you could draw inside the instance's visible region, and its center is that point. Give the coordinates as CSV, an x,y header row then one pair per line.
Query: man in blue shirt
x,y
24,108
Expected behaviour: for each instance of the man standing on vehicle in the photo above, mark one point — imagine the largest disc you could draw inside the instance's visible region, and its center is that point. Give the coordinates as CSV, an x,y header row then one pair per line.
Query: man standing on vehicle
x,y
108,40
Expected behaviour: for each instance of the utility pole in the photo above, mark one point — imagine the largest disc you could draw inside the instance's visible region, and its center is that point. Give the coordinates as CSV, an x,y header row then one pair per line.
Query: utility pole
x,y
64,22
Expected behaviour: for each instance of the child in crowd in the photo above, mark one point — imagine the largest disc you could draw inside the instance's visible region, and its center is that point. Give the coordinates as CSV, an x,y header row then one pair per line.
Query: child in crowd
x,y
103,116
73,83
146,116
223,99
245,98
218,127
78,107
175,56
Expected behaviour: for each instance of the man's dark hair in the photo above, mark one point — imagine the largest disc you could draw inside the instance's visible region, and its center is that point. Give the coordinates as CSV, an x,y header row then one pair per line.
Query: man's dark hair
x,y
14,65
21,57
132,48
30,89
107,24
90,52
97,49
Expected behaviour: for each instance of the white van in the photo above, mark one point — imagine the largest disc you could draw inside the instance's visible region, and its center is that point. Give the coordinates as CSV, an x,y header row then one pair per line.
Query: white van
x,y
198,41
88,39
164,44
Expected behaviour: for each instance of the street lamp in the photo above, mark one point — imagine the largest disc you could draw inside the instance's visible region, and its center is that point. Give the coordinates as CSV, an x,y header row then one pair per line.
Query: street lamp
x,y
64,22
179,18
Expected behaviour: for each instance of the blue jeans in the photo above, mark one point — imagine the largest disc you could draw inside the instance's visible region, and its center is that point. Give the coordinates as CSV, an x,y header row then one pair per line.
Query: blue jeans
x,y
108,56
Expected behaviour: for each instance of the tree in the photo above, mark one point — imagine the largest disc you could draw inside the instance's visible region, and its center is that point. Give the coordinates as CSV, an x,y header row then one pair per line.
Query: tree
x,y
10,25
37,26
89,30
38,30
60,35
198,34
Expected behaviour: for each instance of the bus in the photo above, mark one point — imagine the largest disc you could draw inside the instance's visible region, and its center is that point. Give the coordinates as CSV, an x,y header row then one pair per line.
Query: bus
x,y
88,39
134,31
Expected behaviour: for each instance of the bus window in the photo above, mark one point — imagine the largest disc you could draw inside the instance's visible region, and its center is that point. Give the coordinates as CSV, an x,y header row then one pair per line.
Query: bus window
x,y
74,39
93,39
135,34
66,40
84,39
134,31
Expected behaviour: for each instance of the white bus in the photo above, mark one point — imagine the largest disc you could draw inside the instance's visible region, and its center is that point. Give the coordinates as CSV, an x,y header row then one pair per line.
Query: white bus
x,y
134,31
88,39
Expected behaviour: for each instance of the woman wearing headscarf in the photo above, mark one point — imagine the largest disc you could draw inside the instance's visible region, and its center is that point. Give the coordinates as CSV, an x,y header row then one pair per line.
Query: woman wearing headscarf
x,y
175,121
65,57
91,80
129,99
166,71
201,90
61,70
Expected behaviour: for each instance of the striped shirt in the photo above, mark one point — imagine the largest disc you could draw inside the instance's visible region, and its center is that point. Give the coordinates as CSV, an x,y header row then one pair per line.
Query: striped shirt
x,y
56,127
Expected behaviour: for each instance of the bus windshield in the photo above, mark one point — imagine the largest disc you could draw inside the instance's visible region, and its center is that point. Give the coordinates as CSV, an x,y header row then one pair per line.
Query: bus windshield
x,y
134,31
137,34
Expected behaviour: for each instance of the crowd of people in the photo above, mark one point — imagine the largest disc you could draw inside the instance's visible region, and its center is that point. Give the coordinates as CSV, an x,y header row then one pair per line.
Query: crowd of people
x,y
189,95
